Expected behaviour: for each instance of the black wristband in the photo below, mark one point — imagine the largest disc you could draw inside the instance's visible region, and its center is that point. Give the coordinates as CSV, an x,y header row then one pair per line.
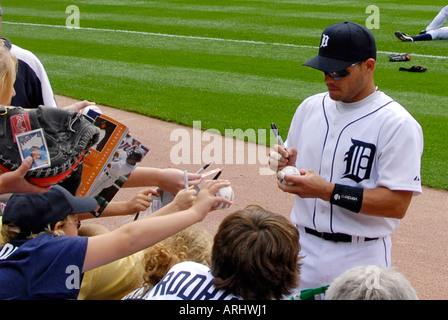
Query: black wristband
x,y
347,197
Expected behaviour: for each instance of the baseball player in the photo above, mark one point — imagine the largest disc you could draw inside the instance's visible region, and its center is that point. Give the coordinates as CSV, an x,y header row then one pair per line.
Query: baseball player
x,y
433,31
359,154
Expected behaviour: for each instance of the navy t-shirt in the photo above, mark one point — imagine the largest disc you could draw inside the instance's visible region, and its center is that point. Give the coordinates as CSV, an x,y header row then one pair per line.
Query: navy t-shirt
x,y
47,267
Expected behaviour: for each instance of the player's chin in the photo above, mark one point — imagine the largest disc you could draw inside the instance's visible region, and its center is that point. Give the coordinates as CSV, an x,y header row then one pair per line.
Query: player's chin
x,y
335,93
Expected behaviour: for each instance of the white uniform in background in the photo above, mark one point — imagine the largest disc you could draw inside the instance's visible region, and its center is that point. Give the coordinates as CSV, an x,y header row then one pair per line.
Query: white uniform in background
x,y
435,28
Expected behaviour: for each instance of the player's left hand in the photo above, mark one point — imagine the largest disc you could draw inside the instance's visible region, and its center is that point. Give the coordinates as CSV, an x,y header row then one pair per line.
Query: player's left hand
x,y
308,185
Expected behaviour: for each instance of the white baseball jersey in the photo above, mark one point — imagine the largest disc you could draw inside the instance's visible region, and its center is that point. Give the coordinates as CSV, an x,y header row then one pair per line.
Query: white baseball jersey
x,y
370,143
185,281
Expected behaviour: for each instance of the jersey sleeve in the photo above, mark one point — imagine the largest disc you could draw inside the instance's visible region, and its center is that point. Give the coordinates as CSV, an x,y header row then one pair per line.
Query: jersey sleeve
x,y
399,160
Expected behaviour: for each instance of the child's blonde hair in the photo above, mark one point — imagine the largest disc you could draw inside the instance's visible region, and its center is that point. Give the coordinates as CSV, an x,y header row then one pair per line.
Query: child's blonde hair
x,y
192,244
10,232
8,72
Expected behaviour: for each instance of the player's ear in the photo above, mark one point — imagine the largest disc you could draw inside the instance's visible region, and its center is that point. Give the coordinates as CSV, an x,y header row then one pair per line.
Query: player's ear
x,y
370,65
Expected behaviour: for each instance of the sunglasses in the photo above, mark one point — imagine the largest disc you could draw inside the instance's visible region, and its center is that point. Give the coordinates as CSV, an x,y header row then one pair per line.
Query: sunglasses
x,y
338,75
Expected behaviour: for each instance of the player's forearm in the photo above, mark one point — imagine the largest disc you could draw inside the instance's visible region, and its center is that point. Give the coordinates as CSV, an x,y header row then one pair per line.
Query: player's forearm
x,y
378,202
386,203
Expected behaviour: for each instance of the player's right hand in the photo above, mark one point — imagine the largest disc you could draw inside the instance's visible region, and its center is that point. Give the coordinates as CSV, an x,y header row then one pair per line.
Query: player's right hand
x,y
280,158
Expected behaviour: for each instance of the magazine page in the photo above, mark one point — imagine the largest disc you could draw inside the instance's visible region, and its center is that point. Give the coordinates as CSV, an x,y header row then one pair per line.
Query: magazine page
x,y
110,161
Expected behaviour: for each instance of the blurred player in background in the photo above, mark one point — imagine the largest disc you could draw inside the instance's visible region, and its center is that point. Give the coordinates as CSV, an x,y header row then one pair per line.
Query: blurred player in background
x,y
434,31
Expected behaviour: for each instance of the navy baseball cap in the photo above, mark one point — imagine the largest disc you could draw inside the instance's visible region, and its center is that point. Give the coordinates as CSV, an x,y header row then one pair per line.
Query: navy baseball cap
x,y
33,212
343,44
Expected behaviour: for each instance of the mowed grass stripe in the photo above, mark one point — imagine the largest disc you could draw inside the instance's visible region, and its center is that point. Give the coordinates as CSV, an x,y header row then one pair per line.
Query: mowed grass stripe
x,y
235,57
238,97
256,23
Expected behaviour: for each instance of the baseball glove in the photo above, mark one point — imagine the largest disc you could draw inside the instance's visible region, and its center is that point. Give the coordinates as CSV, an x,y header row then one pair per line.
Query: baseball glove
x,y
399,57
413,69
68,136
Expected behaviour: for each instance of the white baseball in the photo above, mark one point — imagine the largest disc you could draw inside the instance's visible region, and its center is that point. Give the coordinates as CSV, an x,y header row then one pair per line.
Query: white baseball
x,y
225,192
91,107
287,170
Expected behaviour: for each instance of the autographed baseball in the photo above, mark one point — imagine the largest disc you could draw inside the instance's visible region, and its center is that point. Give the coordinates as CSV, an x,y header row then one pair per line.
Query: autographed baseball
x,y
287,170
225,192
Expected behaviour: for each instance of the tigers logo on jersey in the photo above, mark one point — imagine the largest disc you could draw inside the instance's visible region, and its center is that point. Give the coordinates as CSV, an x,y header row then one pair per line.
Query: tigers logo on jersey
x,y
359,161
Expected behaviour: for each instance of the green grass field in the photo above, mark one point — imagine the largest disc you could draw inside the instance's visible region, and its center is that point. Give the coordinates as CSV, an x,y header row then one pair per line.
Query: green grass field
x,y
229,64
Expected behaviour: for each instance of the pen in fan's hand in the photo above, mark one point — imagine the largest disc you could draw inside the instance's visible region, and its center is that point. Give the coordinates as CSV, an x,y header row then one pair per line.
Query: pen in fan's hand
x,y
203,168
186,180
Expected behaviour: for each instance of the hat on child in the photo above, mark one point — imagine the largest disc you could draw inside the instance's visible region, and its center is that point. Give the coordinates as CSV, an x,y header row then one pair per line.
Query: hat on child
x,y
33,212
343,44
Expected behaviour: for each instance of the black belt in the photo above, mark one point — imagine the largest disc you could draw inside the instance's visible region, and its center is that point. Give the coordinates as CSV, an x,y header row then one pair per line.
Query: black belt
x,y
336,237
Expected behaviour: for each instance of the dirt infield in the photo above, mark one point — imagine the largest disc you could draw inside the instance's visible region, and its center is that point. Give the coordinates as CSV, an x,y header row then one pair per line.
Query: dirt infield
x,y
419,244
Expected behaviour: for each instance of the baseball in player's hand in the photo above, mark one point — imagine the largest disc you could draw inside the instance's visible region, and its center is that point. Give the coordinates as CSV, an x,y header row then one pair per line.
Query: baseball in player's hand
x,y
280,157
309,184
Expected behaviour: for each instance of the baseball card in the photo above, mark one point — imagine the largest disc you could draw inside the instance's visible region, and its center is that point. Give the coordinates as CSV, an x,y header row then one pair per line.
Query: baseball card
x,y
32,143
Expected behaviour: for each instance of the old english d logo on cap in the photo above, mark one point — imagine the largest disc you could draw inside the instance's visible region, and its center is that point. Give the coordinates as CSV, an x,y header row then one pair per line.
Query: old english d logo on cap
x,y
324,41
341,45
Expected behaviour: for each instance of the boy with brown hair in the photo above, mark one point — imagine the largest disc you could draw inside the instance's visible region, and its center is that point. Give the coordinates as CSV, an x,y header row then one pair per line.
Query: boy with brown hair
x,y
255,256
